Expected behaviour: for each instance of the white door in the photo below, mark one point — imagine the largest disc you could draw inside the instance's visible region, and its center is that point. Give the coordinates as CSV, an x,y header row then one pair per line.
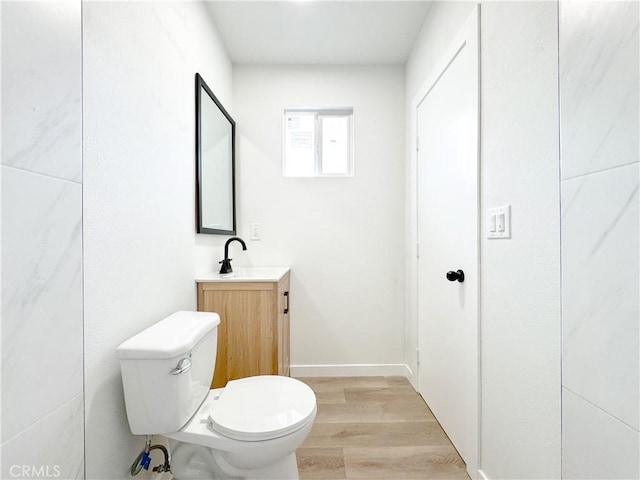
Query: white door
x,y
447,165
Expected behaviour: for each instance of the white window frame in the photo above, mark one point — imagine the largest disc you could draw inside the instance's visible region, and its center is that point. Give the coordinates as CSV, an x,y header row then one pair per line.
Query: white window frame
x,y
319,114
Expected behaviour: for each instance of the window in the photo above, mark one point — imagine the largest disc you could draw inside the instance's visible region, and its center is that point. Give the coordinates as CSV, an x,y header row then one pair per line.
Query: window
x,y
318,143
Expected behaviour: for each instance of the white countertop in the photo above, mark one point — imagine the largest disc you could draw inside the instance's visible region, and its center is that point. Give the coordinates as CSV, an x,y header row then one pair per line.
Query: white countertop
x,y
246,274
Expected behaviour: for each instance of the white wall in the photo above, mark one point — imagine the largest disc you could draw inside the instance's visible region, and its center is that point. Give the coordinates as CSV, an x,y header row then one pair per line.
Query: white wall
x,y
42,391
600,271
520,298
141,249
520,277
342,237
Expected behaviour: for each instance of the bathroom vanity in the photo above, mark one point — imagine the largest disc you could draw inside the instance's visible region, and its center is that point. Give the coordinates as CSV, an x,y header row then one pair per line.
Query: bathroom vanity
x,y
253,335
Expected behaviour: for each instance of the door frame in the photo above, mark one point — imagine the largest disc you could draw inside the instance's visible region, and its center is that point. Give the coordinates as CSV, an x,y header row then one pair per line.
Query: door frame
x,y
469,29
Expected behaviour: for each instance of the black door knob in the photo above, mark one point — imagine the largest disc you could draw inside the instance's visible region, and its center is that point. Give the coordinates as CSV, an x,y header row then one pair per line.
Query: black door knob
x,y
453,276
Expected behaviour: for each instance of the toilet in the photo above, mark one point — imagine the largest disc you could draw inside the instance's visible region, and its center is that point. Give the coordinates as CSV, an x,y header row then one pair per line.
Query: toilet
x,y
250,429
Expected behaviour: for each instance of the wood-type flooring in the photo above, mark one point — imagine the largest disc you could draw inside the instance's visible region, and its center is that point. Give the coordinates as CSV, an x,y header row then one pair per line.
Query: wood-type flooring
x,y
375,428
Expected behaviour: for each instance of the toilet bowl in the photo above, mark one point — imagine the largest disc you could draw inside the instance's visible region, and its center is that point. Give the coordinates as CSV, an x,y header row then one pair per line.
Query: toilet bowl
x,y
250,429
243,428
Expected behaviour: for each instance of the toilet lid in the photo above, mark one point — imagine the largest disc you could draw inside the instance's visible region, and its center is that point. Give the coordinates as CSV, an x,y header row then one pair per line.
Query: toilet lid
x,y
262,407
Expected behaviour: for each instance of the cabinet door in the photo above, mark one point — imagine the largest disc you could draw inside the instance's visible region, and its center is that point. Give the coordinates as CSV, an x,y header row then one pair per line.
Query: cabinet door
x,y
284,298
247,340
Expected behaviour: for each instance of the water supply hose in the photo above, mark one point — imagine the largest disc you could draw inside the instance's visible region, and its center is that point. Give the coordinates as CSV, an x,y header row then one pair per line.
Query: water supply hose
x,y
143,460
165,466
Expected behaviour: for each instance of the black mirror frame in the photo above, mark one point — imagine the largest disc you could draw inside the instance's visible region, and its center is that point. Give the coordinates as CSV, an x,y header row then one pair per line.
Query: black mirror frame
x,y
201,84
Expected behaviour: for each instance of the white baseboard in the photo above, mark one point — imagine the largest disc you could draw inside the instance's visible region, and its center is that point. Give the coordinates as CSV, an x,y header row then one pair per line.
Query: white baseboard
x,y
351,370
482,475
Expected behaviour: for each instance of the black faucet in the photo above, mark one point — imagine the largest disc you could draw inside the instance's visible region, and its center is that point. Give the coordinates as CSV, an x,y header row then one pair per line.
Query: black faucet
x,y
226,263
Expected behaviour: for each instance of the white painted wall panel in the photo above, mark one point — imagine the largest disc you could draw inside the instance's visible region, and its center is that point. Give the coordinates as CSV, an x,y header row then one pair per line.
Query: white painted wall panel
x,y
141,250
342,237
520,300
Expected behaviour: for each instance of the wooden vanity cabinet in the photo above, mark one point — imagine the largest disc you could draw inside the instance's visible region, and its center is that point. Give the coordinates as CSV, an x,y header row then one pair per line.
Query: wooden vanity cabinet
x,y
253,335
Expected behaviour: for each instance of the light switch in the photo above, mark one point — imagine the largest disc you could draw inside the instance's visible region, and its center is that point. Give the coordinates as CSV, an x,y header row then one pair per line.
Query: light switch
x,y
499,222
255,231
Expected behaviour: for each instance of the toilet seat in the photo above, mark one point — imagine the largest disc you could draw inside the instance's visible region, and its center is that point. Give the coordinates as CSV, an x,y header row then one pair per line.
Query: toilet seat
x,y
262,408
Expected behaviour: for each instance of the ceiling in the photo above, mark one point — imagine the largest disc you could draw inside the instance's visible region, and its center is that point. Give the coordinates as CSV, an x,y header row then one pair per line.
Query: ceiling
x,y
319,31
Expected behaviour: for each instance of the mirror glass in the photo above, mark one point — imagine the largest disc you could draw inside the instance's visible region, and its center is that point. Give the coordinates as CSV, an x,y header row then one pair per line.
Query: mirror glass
x,y
215,159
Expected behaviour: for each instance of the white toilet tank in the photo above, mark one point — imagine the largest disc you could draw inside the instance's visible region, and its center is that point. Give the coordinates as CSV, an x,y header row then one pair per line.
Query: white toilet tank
x,y
167,371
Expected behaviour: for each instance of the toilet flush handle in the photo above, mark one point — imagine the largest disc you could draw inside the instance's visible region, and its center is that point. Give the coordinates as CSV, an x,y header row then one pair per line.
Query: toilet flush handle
x,y
184,365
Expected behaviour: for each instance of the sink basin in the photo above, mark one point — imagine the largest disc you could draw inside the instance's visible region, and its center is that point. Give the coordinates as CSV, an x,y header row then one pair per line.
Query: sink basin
x,y
246,274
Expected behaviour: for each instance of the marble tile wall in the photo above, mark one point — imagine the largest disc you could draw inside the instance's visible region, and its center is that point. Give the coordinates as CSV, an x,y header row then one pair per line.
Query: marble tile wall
x,y
599,125
41,179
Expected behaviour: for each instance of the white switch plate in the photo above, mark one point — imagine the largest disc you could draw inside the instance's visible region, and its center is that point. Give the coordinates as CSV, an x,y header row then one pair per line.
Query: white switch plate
x,y
256,231
494,222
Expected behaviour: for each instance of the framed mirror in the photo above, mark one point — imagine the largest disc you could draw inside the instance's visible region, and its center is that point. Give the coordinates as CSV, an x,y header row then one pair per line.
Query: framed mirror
x,y
215,164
